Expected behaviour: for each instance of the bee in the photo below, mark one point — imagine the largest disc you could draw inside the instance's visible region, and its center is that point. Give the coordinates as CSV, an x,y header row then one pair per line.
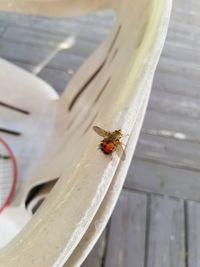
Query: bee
x,y
111,141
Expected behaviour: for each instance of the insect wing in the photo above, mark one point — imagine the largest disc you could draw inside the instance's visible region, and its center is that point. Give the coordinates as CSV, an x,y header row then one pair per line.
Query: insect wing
x,y
120,152
100,131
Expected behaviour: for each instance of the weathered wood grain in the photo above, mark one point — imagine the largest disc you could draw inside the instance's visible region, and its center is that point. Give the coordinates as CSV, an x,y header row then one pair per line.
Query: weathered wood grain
x,y
181,52
187,6
126,241
166,245
17,51
48,36
33,56
178,85
176,152
193,226
99,18
150,176
171,126
179,68
175,104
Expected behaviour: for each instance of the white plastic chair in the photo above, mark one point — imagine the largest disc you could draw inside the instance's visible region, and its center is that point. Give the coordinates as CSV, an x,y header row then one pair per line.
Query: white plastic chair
x,y
56,141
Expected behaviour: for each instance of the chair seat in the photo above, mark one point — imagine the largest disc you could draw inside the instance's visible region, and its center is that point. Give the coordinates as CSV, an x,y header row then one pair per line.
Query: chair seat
x,y
25,102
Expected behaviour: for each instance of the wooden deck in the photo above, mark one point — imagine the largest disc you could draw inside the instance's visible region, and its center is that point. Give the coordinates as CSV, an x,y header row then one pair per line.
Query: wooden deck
x,y
157,220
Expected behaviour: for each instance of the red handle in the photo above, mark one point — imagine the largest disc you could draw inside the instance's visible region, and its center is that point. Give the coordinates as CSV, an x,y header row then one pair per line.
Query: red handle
x,y
12,190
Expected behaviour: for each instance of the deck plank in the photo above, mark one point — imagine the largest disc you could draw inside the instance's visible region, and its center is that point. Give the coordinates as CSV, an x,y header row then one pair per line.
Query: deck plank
x,y
166,246
159,178
171,126
176,151
48,36
193,224
174,84
175,104
126,241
